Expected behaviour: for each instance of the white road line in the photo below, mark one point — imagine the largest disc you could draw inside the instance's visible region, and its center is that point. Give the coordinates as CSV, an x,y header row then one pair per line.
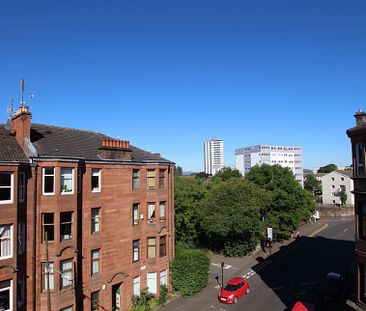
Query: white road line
x,y
317,231
218,265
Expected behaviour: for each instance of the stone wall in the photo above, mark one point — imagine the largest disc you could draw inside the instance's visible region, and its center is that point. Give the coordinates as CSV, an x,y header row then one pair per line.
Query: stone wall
x,y
327,211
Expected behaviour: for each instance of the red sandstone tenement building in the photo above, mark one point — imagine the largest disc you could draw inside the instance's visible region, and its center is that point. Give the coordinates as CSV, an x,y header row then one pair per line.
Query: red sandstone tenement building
x,y
358,140
86,221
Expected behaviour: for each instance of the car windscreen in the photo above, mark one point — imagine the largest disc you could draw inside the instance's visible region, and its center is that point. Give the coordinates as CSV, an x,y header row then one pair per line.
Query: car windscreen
x,y
231,287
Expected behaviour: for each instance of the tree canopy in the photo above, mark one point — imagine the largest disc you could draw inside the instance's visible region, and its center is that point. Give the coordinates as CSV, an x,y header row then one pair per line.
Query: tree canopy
x,y
229,213
327,168
189,192
178,171
290,203
312,184
230,216
226,173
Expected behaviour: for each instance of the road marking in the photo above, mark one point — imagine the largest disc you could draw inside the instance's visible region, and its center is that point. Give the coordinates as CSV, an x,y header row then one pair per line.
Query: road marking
x,y
218,265
345,230
320,229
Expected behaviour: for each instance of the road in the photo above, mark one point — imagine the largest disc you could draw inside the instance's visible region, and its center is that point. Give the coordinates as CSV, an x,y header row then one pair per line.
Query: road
x,y
293,273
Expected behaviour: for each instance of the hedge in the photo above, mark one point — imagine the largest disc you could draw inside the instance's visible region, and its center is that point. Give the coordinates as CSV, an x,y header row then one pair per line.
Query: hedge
x,y
190,269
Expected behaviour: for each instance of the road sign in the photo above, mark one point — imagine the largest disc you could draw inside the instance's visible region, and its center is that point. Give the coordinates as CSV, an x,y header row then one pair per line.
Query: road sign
x,y
269,233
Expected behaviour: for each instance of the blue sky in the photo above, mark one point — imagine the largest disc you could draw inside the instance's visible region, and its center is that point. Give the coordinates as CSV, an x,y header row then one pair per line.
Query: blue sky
x,y
168,75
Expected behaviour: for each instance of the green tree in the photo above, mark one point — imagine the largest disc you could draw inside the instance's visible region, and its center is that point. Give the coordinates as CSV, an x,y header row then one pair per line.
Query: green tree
x,y
312,184
327,168
343,197
178,171
230,216
188,195
226,173
201,175
290,203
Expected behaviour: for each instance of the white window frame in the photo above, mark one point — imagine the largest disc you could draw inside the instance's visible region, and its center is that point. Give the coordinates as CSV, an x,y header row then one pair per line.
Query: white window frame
x,y
11,186
11,241
43,180
162,211
51,274
135,214
164,277
136,286
151,283
151,212
66,275
135,254
10,289
96,172
95,261
62,174
95,220
21,187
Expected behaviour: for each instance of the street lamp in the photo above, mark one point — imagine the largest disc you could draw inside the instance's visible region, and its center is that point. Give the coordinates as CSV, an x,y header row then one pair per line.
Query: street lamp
x,y
222,273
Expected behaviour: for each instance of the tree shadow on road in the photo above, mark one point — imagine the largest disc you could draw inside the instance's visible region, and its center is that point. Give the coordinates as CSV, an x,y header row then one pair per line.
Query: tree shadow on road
x,y
294,272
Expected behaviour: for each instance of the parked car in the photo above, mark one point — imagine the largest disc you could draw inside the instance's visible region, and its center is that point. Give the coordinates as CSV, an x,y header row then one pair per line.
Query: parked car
x,y
233,290
331,286
302,306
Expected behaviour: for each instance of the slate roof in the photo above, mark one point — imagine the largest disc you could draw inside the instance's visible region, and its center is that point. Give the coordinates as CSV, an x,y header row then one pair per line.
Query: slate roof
x,y
62,142
9,147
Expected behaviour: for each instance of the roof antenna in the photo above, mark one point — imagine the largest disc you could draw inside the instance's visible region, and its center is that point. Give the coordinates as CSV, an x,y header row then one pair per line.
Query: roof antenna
x,y
30,96
22,87
10,109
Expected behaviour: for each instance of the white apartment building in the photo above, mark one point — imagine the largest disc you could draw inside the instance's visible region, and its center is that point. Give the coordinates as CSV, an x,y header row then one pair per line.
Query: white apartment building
x,y
286,156
214,156
334,183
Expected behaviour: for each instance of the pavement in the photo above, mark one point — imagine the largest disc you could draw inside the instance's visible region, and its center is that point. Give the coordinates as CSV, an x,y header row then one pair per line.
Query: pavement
x,y
247,266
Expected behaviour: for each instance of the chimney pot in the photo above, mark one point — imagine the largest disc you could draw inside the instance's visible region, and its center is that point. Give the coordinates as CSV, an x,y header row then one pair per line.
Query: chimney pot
x,y
360,118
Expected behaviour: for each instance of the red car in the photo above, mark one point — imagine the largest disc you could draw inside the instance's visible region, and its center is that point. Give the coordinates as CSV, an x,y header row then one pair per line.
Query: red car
x,y
233,290
301,306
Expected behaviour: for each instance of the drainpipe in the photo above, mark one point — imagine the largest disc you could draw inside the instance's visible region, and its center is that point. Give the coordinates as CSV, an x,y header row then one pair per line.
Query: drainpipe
x,y
34,237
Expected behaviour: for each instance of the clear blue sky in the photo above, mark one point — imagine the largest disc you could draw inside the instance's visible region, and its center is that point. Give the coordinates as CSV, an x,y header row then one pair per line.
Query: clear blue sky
x,y
168,75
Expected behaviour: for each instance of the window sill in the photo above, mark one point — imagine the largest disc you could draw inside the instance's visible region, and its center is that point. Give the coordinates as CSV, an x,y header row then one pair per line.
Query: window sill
x,y
6,257
6,202
67,193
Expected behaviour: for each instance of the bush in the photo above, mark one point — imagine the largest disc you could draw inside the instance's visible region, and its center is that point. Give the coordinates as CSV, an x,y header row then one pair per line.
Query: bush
x,y
163,297
190,269
142,302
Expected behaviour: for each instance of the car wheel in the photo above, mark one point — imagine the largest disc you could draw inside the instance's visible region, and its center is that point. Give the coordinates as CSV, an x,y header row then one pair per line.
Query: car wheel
x,y
236,300
247,291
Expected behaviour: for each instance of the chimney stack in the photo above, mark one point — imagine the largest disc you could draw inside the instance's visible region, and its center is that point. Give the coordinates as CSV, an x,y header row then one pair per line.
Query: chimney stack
x,y
360,118
115,149
20,123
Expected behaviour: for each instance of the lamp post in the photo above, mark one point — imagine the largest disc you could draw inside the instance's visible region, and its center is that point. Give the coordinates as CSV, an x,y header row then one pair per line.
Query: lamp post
x,y
222,274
